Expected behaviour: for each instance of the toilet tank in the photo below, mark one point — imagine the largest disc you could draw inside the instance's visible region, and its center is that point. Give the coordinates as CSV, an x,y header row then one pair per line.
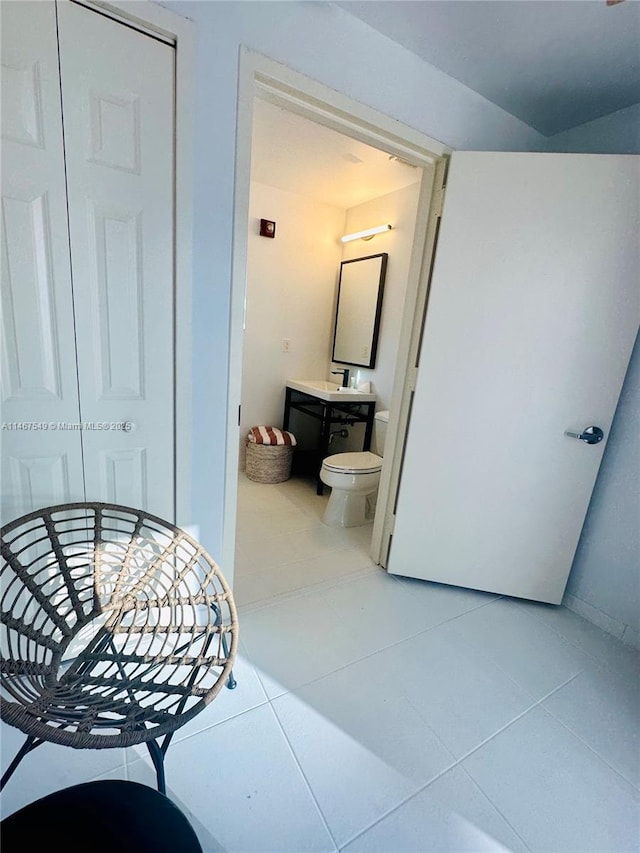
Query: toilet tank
x,y
381,419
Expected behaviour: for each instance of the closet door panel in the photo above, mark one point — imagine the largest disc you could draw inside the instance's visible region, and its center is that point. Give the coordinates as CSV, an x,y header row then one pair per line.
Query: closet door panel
x,y
41,441
117,87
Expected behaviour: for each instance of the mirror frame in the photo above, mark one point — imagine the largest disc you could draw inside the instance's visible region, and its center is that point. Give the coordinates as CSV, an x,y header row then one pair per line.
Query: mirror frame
x,y
373,350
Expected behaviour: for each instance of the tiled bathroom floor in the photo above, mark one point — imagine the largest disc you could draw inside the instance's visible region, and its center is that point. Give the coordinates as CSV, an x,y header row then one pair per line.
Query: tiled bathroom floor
x,y
374,713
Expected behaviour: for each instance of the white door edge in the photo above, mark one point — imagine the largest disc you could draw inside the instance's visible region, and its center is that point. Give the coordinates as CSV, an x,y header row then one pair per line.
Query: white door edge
x,y
404,383
140,14
263,77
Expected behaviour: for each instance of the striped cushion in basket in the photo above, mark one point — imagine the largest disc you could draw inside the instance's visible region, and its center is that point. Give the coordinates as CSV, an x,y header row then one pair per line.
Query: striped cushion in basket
x,y
271,435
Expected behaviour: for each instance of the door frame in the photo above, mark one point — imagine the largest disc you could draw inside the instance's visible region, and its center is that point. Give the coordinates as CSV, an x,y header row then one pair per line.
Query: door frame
x,y
262,77
158,22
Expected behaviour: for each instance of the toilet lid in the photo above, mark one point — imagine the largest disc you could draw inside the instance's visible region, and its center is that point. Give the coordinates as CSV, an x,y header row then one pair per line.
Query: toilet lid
x,y
354,463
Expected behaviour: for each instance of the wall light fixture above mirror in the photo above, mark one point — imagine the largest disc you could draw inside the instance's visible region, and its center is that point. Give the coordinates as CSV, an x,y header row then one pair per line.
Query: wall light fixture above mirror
x,y
358,310
367,234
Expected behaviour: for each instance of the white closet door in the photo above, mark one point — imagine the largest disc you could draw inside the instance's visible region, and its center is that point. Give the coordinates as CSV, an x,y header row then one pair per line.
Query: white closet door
x,y
118,94
40,467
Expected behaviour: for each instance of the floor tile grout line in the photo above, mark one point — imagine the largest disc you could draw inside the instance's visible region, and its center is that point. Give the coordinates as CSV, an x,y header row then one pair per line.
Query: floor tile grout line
x,y
495,807
288,512
591,660
458,762
490,659
423,630
579,737
283,565
430,728
253,522
326,551
221,722
421,790
264,688
327,584
601,662
265,701
304,776
121,766
518,717
287,564
292,692
288,595
282,518
399,805
370,654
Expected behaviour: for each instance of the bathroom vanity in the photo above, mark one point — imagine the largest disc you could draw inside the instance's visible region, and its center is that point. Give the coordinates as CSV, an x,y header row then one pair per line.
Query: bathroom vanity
x,y
330,404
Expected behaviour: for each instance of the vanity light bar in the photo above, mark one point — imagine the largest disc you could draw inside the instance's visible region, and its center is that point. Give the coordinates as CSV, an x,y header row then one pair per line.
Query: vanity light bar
x,y
367,234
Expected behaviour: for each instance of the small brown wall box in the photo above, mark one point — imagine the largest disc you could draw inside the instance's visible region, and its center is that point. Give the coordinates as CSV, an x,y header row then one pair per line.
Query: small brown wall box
x,y
267,228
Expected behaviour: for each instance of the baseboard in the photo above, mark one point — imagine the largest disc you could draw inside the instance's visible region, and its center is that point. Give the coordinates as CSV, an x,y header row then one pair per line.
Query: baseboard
x,y
620,630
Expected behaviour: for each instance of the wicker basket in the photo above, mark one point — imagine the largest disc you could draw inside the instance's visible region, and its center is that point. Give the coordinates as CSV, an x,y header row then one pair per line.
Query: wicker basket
x,y
268,463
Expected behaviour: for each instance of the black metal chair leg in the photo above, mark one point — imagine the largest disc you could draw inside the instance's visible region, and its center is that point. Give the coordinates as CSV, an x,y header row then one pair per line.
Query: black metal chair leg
x,y
157,756
29,744
231,682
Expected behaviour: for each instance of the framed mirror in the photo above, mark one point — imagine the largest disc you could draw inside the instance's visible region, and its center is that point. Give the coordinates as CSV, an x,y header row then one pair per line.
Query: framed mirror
x,y
358,310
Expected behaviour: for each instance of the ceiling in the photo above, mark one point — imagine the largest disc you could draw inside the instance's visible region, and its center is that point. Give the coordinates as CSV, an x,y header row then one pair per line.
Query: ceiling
x,y
554,64
295,154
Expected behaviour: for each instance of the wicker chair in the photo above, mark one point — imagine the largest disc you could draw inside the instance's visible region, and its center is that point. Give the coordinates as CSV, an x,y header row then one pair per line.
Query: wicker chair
x,y
117,628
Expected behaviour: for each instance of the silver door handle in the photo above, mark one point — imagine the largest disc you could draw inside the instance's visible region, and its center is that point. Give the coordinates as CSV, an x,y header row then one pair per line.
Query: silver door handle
x,y
591,435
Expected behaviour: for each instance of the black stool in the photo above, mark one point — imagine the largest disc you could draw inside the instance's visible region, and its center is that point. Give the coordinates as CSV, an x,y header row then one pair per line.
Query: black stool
x,y
113,815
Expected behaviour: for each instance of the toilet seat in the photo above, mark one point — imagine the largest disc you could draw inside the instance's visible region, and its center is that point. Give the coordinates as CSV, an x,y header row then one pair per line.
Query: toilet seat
x,y
362,462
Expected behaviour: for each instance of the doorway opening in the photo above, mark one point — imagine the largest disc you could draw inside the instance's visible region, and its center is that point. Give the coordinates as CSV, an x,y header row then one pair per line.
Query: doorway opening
x,y
316,185
283,329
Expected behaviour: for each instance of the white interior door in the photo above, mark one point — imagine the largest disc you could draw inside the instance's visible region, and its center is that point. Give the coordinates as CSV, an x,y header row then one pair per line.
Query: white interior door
x,y
118,96
41,462
532,316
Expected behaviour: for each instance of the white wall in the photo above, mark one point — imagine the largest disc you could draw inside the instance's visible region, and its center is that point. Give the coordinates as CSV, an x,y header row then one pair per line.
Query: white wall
x,y
604,585
617,133
290,294
329,45
398,209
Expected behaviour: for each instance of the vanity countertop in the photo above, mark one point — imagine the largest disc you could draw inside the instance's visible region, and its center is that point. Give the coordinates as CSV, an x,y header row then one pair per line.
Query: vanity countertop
x,y
330,392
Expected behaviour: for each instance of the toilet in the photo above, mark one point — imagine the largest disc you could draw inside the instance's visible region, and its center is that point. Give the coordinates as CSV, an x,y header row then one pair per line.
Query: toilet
x,y
354,479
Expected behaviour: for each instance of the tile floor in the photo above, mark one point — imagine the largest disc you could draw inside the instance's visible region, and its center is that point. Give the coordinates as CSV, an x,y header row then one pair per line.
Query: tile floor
x,y
375,713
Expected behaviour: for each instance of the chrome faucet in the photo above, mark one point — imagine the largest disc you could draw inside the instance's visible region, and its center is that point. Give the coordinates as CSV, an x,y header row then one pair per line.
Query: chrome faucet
x,y
345,376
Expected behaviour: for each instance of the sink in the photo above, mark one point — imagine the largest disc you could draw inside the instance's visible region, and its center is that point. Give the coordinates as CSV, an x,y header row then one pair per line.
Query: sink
x,y
331,392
